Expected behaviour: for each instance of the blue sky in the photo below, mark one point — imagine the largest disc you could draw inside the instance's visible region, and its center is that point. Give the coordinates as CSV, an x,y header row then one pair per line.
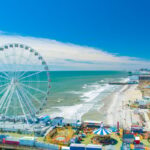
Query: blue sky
x,y
119,27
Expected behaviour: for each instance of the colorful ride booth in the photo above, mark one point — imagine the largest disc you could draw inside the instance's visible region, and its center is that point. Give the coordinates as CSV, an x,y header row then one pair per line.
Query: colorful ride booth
x,y
88,126
103,136
63,132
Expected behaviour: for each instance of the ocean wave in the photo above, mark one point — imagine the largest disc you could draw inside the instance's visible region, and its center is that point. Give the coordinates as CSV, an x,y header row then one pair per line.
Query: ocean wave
x,y
74,92
124,79
84,86
69,112
94,91
90,96
88,100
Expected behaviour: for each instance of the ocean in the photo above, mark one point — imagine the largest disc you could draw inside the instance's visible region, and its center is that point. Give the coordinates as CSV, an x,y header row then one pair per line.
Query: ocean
x,y
79,94
73,94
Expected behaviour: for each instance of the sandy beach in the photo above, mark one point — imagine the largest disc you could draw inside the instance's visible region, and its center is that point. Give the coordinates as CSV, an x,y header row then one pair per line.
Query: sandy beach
x,y
118,110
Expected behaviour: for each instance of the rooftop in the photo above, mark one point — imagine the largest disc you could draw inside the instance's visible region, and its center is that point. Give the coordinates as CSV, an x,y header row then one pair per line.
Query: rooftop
x,y
128,136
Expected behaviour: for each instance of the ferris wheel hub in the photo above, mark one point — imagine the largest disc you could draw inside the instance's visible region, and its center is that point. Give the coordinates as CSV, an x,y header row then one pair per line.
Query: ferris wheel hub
x,y
14,80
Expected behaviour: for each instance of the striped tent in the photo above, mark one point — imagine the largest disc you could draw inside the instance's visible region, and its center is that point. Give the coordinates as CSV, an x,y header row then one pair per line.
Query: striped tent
x,y
102,131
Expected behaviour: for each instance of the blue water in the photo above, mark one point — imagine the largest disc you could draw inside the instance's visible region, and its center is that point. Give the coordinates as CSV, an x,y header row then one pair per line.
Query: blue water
x,y
75,93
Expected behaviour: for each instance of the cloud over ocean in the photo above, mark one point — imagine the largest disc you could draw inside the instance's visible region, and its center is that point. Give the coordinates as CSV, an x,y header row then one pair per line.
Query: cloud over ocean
x,y
68,56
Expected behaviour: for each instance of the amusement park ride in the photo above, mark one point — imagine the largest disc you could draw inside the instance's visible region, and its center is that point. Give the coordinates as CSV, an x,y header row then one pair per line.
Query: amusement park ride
x,y
24,86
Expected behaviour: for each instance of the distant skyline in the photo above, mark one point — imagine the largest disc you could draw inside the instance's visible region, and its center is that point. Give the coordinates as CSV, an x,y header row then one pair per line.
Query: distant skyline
x,y
112,34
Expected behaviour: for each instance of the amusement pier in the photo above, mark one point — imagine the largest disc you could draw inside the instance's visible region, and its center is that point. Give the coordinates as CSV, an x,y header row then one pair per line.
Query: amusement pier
x,y
25,85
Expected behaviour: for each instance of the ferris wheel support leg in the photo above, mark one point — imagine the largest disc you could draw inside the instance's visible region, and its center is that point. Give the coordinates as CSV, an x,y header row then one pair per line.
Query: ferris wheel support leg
x,y
9,101
5,96
4,104
28,107
26,101
22,107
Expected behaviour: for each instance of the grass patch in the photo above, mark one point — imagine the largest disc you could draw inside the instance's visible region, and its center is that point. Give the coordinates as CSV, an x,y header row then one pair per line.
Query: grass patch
x,y
116,137
146,143
87,139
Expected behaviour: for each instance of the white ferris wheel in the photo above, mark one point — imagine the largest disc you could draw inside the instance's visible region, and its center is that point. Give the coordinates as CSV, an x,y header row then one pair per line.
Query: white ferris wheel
x,y
24,82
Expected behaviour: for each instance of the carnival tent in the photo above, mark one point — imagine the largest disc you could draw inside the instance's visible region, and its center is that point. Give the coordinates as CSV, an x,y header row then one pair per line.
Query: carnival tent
x,y
102,131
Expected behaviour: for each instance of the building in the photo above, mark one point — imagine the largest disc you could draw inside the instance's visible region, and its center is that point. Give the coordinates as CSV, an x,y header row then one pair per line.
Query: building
x,y
91,123
72,122
144,84
27,141
57,121
136,129
128,138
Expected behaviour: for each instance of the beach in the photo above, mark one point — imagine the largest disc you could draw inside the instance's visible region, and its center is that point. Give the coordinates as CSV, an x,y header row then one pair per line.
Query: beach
x,y
119,110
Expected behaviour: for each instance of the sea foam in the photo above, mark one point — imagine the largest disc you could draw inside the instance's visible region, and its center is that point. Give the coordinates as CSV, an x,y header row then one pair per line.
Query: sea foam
x,y
88,101
93,91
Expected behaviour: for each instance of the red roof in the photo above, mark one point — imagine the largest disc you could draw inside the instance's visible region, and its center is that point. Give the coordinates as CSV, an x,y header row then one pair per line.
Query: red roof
x,y
135,126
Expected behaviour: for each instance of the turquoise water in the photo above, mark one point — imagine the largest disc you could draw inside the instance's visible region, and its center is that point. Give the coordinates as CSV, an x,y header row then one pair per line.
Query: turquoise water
x,y
75,93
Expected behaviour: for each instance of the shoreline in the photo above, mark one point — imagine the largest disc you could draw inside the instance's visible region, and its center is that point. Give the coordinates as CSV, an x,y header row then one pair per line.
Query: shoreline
x,y
114,108
104,104
118,110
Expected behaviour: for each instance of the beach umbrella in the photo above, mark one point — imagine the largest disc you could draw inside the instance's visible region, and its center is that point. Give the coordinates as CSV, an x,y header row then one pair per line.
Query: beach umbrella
x,y
102,131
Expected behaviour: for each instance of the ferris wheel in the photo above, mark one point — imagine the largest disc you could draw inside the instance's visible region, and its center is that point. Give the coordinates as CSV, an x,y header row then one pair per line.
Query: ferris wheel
x,y
24,82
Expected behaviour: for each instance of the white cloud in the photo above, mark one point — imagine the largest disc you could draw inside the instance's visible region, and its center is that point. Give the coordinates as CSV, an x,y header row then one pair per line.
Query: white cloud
x,y
67,56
